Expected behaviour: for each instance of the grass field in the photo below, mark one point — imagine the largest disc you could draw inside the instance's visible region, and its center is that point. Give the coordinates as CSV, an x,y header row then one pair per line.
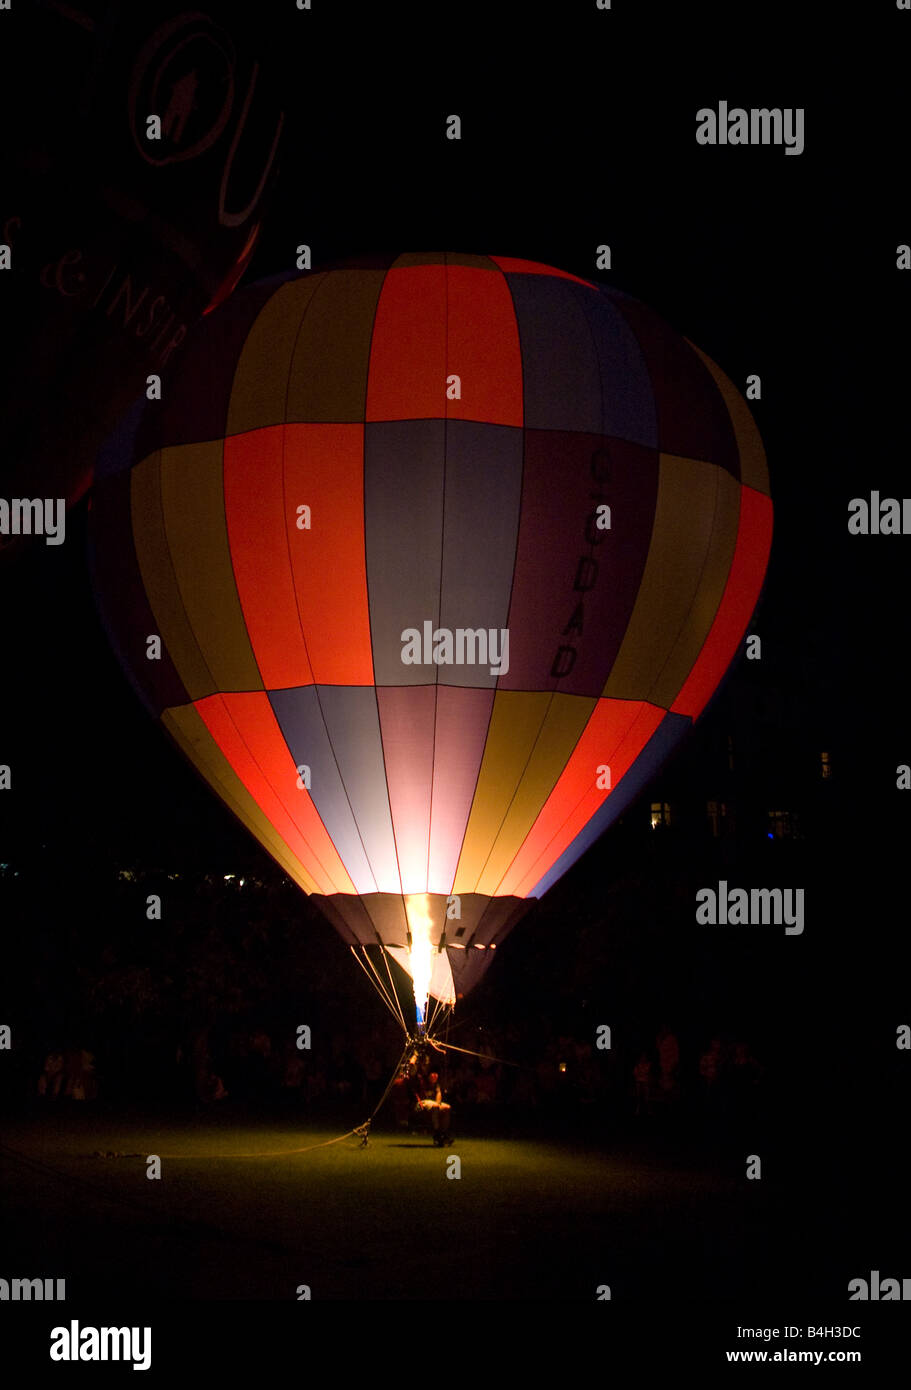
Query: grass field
x,y
526,1219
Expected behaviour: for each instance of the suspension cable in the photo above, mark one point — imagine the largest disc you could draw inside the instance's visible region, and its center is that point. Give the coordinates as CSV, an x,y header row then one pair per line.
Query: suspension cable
x,y
385,955
393,1007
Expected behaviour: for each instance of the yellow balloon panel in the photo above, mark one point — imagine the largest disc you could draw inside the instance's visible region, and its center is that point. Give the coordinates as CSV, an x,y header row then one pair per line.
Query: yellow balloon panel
x,y
192,499
695,526
754,470
515,724
259,392
158,579
560,731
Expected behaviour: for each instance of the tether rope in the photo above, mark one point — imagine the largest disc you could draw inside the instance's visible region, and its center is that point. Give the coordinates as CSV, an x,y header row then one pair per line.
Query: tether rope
x,y
359,1131
485,1056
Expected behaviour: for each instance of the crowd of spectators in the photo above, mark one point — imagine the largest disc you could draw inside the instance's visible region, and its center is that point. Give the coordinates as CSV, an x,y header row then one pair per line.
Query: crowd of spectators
x,y
493,1078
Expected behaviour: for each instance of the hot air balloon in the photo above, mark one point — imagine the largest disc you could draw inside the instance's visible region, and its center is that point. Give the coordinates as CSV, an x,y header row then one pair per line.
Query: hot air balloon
x,y
115,235
427,565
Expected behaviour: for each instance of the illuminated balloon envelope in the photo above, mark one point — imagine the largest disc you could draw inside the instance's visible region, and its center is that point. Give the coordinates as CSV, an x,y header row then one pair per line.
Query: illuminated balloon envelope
x,y
118,236
445,556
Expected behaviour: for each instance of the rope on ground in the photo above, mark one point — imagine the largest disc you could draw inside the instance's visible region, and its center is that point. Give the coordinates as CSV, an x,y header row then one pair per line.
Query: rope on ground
x,y
360,1131
147,1208
269,1153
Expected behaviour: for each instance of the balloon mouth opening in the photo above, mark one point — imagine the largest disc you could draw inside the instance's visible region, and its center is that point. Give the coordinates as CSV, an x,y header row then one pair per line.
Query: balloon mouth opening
x,y
420,953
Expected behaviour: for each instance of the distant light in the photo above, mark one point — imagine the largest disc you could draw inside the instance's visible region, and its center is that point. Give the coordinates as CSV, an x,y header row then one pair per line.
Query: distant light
x,y
241,881
770,836
228,878
493,945
479,946
562,1066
